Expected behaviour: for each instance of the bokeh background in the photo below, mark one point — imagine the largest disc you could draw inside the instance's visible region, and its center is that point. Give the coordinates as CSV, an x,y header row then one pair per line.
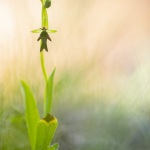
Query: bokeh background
x,y
102,83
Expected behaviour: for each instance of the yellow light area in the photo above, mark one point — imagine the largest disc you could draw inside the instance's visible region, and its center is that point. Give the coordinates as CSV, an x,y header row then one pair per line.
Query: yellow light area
x,y
6,20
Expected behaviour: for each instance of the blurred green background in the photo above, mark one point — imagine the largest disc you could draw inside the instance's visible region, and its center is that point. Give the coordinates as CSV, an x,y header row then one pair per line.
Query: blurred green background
x,y
101,92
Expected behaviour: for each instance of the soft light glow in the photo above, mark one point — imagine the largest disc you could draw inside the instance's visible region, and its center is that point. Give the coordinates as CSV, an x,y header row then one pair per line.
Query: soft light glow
x,y
6,20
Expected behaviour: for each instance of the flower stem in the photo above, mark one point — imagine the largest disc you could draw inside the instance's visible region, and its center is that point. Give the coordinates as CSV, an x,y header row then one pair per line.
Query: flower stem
x,y
44,24
43,66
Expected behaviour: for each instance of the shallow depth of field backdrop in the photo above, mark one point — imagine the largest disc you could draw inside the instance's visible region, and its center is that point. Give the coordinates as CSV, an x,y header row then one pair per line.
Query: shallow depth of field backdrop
x,y
102,83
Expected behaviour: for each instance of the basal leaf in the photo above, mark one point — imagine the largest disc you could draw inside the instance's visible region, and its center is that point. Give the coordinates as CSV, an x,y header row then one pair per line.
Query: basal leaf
x,y
46,128
31,111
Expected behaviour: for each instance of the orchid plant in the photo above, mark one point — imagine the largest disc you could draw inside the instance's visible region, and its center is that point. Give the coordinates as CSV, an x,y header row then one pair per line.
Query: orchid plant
x,y
41,131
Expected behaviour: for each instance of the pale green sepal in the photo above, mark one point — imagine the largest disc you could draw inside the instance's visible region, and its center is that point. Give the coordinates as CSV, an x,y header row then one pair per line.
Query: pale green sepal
x,y
39,31
31,111
49,93
36,31
51,31
46,128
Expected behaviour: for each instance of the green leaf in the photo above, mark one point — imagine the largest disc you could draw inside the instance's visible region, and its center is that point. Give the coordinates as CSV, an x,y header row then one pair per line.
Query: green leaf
x,y
36,31
46,128
32,114
49,94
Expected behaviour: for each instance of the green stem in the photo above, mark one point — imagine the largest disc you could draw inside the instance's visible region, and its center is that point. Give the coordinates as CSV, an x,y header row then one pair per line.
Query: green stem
x,y
44,17
43,66
44,24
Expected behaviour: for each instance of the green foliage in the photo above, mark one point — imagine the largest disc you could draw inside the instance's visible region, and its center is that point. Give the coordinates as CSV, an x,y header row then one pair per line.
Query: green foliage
x,y
41,131
32,114
93,121
49,94
46,128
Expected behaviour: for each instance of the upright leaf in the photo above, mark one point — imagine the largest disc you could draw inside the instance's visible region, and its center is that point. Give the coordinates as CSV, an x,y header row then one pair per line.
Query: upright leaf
x,y
49,94
32,114
46,128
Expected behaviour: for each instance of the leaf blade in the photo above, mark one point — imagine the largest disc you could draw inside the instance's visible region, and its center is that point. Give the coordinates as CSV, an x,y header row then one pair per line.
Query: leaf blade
x,y
49,93
32,114
45,132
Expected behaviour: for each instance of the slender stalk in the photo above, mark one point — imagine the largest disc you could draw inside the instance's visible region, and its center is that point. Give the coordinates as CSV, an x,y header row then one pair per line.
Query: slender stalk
x,y
44,24
43,66
44,17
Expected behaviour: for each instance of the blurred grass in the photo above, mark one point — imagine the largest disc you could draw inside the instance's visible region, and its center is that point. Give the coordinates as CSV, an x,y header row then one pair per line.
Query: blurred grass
x,y
85,120
101,93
